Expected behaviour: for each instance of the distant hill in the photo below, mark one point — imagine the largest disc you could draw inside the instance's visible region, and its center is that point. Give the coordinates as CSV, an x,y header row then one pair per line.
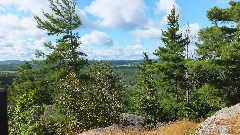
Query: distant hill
x,y
121,63
11,62
11,65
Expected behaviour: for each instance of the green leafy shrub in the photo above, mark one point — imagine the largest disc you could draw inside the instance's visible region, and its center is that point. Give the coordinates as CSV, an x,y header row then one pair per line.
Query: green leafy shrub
x,y
89,100
24,118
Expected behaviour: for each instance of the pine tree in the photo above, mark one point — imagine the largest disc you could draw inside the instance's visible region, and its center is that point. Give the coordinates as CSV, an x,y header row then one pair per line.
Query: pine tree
x,y
149,96
217,70
65,56
172,55
171,70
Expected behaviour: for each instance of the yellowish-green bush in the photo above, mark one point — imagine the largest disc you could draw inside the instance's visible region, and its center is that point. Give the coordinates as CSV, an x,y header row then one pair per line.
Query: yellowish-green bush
x,y
89,100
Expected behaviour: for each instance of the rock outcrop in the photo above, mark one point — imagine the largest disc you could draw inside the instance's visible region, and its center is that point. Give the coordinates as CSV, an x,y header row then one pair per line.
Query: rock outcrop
x,y
136,121
100,131
129,120
211,125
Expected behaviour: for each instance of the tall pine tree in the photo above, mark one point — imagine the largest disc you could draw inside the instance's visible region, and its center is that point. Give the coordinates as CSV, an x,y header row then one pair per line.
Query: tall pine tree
x,y
64,56
171,70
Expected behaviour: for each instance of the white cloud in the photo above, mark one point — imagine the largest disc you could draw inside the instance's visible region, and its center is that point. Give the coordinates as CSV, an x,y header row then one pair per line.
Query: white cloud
x,y
32,6
110,50
96,37
131,52
86,23
19,48
123,14
2,8
153,28
151,32
134,52
19,37
165,6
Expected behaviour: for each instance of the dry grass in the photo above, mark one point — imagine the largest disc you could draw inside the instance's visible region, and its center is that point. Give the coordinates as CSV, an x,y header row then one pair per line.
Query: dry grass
x,y
233,123
178,128
183,127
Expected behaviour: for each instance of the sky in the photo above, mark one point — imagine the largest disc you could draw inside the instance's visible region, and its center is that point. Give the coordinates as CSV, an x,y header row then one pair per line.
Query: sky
x,y
111,29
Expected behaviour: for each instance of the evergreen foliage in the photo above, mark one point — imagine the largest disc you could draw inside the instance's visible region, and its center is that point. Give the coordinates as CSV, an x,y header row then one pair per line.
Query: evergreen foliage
x,y
171,72
64,57
217,70
22,83
148,94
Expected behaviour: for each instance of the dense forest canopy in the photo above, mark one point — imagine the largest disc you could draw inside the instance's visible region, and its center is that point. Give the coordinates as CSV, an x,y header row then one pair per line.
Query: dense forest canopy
x,y
66,94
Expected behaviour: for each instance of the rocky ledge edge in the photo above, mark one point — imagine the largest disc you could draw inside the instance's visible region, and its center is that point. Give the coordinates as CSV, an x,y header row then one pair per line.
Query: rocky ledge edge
x,y
211,126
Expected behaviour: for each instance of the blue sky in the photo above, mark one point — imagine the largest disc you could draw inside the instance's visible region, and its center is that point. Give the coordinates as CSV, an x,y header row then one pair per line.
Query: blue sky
x,y
112,29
